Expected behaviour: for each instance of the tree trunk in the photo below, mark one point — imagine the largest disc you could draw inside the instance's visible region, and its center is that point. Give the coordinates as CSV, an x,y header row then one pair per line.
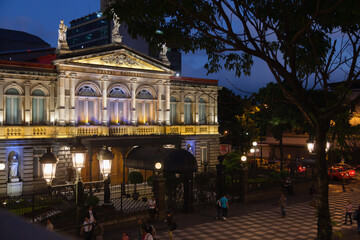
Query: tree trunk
x,y
281,153
324,222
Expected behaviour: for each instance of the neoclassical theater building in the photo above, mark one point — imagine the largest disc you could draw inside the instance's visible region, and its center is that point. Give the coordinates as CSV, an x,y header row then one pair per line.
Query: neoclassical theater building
x,y
107,95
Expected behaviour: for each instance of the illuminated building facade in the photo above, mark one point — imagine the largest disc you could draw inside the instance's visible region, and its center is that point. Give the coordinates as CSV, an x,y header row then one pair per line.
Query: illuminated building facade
x,y
109,95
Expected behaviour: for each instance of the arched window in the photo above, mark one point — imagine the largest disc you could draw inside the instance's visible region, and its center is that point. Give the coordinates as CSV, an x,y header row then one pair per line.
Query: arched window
x,y
87,105
188,112
13,114
38,109
202,114
117,106
173,110
144,107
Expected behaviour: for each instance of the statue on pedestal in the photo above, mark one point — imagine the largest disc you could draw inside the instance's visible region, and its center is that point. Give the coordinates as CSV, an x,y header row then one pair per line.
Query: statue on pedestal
x,y
164,50
115,35
62,43
13,168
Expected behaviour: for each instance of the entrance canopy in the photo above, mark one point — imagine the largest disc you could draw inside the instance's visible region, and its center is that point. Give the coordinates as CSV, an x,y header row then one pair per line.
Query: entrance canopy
x,y
173,160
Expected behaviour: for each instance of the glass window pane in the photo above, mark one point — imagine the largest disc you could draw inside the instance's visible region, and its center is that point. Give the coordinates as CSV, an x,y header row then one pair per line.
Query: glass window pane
x,y
34,111
41,111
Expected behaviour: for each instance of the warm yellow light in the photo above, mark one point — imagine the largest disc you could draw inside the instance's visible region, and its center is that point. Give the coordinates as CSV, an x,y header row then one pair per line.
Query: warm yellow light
x,y
252,150
158,165
106,167
243,158
2,166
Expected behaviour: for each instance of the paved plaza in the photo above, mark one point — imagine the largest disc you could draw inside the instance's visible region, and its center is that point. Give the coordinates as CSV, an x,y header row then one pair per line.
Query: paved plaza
x,y
263,220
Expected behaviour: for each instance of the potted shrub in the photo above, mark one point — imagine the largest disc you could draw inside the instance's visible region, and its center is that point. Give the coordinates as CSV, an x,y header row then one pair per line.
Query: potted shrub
x,y
135,177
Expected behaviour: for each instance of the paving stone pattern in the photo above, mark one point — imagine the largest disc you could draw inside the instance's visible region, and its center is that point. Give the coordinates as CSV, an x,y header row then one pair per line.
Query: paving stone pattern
x,y
299,223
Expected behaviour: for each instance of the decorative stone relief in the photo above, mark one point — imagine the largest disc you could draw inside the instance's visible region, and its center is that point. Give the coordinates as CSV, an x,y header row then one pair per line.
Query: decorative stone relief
x,y
120,59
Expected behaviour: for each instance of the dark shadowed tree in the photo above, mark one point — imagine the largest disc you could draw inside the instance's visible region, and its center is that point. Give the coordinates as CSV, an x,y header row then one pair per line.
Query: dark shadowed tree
x,y
305,44
278,114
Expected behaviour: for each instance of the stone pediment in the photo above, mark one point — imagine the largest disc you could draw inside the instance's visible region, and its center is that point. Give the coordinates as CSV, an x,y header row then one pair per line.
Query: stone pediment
x,y
121,59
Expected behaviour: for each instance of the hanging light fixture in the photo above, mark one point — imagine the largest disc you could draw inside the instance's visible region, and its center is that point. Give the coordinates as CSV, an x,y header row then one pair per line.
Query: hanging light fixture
x,y
105,157
48,163
310,145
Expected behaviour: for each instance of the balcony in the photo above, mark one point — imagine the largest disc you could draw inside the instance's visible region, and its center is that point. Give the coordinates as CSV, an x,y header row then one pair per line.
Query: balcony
x,y
21,132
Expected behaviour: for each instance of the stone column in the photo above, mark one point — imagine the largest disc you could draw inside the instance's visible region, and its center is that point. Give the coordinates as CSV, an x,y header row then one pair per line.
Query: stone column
x,y
52,102
61,97
104,80
27,103
72,98
196,103
160,114
167,102
211,110
182,107
1,101
133,101
215,109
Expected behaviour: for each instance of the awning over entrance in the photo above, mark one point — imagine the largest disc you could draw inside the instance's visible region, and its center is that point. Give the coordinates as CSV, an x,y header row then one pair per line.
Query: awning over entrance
x,y
173,160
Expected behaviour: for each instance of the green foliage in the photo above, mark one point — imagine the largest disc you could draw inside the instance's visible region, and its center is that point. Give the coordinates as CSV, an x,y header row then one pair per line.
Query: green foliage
x,y
92,200
135,177
232,162
150,180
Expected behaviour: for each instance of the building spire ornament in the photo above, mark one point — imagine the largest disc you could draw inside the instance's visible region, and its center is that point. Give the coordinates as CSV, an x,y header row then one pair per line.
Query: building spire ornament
x,y
115,35
62,46
163,57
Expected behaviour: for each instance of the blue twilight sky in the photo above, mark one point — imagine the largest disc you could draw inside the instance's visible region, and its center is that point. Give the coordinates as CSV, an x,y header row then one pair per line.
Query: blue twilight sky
x,y
41,18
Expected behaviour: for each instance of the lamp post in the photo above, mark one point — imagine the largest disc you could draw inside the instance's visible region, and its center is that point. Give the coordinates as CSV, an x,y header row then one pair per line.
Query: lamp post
x,y
159,189
78,152
243,179
48,163
105,158
252,150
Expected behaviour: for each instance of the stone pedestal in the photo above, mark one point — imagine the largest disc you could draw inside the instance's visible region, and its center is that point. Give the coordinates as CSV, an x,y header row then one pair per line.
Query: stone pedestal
x,y
14,188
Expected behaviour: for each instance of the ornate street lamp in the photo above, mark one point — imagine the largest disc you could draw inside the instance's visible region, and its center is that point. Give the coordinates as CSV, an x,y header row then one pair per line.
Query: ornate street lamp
x,y
254,144
310,145
243,158
78,152
105,158
48,163
158,167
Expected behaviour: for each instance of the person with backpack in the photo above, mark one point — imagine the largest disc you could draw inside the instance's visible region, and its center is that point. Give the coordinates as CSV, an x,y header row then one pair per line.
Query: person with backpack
x,y
149,235
357,218
224,206
219,209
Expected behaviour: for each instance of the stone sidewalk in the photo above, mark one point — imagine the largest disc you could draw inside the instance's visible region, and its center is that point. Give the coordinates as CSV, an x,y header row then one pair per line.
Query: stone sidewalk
x,y
260,220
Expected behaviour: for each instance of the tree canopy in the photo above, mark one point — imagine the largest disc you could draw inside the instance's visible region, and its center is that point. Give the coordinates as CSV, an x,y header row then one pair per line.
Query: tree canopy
x,y
305,44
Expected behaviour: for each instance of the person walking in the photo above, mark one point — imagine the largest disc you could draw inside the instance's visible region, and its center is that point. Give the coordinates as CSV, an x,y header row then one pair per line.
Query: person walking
x,y
357,218
152,209
87,229
218,209
142,227
224,207
98,230
49,225
282,204
149,235
348,212
171,224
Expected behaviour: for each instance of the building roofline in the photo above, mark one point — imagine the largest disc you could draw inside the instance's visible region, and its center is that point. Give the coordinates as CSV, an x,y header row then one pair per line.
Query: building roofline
x,y
27,64
195,80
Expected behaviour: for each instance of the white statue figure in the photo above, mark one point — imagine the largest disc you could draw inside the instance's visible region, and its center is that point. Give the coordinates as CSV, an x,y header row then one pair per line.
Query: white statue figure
x,y
164,50
163,56
14,163
115,35
62,32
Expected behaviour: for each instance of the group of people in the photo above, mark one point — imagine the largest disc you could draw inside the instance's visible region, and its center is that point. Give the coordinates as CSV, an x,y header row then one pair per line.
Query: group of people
x,y
147,230
92,228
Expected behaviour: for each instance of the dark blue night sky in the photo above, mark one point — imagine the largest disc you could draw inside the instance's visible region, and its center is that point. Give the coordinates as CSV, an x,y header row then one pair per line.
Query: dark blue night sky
x,y
42,17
